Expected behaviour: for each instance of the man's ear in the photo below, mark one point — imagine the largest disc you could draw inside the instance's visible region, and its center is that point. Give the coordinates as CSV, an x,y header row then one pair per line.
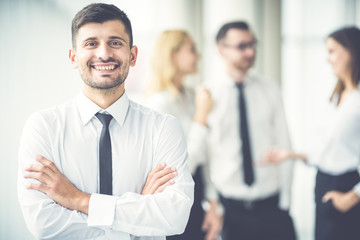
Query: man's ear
x,y
73,58
133,55
220,49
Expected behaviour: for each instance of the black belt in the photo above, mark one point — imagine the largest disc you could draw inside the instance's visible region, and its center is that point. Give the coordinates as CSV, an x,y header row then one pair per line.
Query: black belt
x,y
251,205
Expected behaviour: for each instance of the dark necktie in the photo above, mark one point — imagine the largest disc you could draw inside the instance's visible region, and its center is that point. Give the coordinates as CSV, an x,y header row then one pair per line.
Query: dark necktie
x,y
244,133
105,155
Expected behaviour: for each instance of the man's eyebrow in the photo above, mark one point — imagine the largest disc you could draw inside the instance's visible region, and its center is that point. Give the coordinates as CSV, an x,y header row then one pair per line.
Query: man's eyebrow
x,y
118,38
111,37
90,39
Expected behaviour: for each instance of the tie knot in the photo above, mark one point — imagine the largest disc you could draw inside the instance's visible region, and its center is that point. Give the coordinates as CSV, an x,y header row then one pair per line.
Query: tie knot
x,y
240,85
104,118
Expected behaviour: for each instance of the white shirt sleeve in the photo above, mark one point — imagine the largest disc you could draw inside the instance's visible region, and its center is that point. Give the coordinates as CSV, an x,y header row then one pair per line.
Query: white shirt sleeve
x,y
196,142
198,155
45,218
357,189
209,189
164,213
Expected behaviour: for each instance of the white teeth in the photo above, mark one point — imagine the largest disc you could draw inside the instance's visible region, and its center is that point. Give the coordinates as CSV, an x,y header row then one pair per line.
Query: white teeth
x,y
103,68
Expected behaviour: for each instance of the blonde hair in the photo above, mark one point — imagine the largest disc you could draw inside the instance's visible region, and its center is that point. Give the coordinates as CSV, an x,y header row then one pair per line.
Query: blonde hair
x,y
162,65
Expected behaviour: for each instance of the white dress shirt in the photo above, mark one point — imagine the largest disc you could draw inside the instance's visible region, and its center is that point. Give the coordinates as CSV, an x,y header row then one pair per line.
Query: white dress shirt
x,y
141,139
182,107
267,128
335,147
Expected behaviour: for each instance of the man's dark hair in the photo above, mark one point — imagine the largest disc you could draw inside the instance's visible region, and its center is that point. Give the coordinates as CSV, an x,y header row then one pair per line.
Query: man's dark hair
x,y
225,28
99,13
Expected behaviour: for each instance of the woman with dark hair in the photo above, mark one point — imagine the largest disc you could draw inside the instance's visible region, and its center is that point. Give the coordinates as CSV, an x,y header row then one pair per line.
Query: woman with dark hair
x,y
336,151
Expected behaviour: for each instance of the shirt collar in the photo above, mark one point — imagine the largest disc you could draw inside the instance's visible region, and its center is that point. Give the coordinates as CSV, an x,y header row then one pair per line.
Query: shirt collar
x,y
87,108
248,79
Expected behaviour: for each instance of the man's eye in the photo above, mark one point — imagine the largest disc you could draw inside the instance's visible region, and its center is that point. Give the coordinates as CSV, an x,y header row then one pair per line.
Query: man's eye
x,y
91,44
116,44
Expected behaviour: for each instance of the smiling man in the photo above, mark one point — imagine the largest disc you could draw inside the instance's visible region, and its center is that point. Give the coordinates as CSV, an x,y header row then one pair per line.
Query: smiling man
x,y
95,167
110,43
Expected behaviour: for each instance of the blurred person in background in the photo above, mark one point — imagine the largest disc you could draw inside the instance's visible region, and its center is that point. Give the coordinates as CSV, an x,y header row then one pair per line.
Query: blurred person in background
x,y
94,167
335,148
248,119
174,58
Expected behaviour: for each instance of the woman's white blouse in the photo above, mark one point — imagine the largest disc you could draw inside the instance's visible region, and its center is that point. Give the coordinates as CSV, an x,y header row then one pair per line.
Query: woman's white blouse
x,y
336,143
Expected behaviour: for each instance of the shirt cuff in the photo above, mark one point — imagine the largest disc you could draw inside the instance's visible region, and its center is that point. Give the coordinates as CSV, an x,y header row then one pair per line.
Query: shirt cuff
x,y
284,201
357,189
101,210
211,193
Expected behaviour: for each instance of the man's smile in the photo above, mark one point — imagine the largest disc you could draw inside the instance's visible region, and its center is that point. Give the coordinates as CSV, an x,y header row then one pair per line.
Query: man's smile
x,y
105,67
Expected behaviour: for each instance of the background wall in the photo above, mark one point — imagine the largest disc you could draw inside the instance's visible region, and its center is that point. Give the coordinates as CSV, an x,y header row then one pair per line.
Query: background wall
x,y
35,72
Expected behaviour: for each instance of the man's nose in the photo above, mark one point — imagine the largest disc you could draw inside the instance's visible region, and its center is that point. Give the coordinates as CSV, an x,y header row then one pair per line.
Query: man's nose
x,y
250,51
104,52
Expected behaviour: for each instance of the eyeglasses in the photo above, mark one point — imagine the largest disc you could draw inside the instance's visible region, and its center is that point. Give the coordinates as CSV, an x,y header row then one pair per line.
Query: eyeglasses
x,y
242,46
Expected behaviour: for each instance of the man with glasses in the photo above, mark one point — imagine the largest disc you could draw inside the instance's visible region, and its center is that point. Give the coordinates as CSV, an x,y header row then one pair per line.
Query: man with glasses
x,y
247,120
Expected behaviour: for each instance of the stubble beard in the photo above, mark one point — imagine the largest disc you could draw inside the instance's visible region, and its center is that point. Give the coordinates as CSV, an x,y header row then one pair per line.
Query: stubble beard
x,y
107,85
93,83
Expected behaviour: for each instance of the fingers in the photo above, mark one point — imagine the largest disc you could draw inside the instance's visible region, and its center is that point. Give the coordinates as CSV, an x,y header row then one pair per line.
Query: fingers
x,y
158,179
38,186
205,225
162,187
262,163
329,196
267,159
339,200
38,175
273,156
158,168
212,230
38,168
43,172
204,93
211,234
49,164
162,177
212,223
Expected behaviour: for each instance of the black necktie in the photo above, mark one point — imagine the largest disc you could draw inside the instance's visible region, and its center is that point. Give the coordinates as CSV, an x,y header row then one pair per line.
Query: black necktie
x,y
105,155
244,133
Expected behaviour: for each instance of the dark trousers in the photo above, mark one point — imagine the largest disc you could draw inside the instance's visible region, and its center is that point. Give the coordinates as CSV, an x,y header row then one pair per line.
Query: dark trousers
x,y
330,224
256,220
193,228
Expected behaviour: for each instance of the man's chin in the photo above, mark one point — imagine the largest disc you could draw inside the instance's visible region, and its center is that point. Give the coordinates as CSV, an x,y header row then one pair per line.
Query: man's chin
x,y
108,86
104,86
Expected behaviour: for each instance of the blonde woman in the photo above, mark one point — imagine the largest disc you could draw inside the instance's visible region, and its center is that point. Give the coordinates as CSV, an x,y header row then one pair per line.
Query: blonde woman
x,y
174,58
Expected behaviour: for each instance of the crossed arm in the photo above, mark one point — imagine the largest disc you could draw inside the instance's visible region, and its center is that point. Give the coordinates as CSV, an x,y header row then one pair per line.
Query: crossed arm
x,y
57,187
47,209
